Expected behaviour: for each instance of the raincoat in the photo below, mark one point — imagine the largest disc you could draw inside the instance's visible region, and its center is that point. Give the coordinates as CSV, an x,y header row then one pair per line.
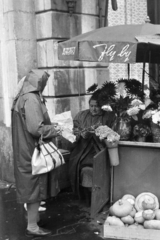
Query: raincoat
x,y
83,150
29,120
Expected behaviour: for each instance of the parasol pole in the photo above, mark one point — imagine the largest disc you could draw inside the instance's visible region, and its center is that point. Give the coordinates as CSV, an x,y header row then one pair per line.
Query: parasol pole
x,y
128,69
144,65
143,75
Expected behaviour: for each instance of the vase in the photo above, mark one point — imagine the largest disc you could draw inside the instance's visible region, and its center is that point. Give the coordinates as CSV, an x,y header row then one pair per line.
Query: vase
x,y
155,132
123,128
113,152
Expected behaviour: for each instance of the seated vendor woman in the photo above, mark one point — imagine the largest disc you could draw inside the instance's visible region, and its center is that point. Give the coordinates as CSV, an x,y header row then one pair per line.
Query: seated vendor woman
x,y
87,145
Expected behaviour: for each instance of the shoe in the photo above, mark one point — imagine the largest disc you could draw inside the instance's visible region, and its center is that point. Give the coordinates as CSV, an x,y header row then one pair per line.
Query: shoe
x,y
40,209
42,203
41,232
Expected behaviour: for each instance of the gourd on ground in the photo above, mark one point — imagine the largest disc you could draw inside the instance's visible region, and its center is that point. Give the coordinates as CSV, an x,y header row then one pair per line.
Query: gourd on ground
x,y
127,220
133,212
130,198
152,224
121,208
157,214
114,221
148,203
148,214
138,217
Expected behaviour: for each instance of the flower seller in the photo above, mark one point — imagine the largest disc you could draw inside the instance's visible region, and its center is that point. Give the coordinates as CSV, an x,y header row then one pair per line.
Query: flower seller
x,y
87,145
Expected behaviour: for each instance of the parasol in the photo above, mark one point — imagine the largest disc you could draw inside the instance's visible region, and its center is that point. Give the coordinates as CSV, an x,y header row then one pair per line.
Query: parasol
x,y
118,44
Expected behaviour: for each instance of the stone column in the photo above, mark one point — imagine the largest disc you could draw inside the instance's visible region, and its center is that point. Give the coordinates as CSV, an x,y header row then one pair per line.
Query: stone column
x,y
17,57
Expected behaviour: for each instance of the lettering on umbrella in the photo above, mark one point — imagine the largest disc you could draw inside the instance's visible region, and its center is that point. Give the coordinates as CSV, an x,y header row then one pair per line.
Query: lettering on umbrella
x,y
125,53
68,51
109,52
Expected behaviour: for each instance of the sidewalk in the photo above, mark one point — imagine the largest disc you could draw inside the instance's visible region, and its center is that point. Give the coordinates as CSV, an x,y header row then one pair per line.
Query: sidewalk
x,y
65,216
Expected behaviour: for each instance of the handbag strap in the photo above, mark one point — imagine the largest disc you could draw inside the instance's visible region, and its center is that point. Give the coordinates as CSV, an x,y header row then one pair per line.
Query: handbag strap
x,y
41,142
55,150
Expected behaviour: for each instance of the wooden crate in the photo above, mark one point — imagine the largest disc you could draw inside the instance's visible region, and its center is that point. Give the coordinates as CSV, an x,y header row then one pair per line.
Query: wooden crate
x,y
116,232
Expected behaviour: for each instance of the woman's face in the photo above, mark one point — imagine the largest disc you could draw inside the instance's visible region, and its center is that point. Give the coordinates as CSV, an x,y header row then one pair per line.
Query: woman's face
x,y
94,108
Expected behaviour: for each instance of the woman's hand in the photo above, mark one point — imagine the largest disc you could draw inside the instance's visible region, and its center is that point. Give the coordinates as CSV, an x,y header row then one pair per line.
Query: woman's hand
x,y
76,131
85,134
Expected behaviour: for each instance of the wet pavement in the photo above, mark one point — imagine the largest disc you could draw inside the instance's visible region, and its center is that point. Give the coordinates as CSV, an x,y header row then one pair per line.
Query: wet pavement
x,y
65,216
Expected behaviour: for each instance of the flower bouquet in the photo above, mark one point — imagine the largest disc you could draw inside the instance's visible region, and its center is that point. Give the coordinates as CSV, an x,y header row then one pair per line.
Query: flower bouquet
x,y
124,98
141,131
152,112
154,116
111,139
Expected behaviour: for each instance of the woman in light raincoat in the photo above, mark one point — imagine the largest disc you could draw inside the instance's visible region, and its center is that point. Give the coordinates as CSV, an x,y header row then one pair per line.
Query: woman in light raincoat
x,y
29,120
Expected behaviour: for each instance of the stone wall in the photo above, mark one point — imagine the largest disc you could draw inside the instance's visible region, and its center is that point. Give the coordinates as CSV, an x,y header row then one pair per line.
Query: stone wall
x,y
17,56
69,80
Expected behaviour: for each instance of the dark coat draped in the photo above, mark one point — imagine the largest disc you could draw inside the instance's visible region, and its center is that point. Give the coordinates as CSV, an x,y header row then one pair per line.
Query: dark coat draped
x,y
82,146
29,120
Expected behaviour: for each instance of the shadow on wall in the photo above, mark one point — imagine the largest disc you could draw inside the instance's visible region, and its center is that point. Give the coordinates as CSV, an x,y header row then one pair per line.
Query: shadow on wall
x,y
6,154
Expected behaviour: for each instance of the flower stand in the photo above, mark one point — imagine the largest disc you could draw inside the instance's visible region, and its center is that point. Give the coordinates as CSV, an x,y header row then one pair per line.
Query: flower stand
x,y
113,152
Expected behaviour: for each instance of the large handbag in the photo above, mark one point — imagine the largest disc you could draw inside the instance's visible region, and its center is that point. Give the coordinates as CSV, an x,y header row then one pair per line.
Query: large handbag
x,y
46,157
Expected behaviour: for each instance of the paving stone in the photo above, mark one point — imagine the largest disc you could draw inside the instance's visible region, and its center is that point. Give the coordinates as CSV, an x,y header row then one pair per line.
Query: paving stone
x,y
66,217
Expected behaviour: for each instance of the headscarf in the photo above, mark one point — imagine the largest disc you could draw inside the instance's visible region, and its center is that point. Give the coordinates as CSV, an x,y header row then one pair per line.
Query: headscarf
x,y
34,81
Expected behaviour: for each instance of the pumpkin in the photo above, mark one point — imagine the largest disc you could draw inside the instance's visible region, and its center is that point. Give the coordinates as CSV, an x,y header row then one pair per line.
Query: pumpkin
x,y
131,201
148,203
127,220
129,198
133,212
138,217
157,214
140,226
121,208
114,221
148,214
152,224
133,226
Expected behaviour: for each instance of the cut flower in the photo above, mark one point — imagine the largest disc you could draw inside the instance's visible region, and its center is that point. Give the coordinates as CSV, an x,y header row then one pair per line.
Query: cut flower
x,y
133,111
104,132
156,118
141,130
107,108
